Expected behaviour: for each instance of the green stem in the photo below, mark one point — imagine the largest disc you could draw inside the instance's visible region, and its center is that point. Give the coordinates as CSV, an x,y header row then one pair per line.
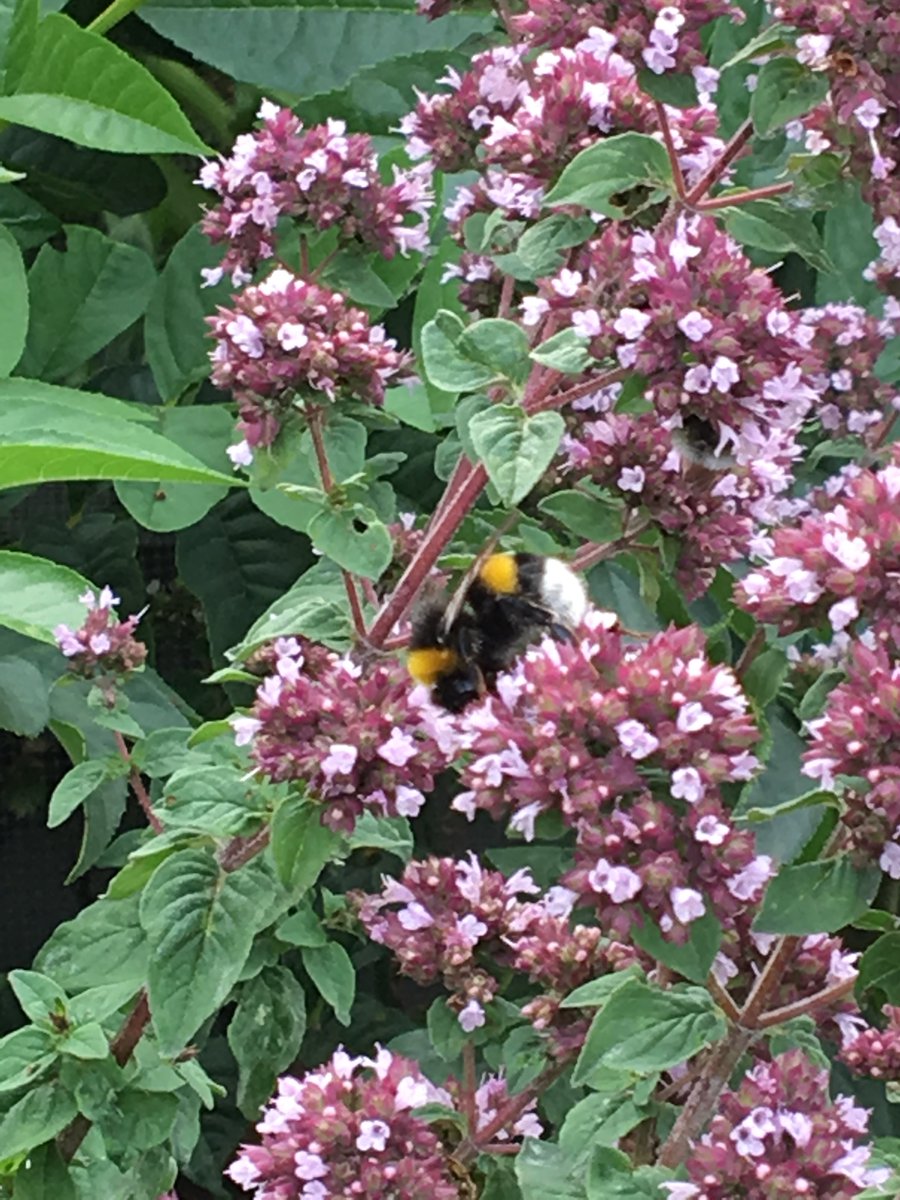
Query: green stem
x,y
113,14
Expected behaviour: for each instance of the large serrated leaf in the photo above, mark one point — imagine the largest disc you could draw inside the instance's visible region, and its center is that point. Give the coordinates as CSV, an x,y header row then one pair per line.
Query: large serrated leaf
x,y
80,86
610,166
269,44
265,1034
13,302
200,924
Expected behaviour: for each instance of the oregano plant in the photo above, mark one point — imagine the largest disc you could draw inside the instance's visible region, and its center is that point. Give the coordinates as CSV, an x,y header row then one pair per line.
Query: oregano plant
x,y
309,311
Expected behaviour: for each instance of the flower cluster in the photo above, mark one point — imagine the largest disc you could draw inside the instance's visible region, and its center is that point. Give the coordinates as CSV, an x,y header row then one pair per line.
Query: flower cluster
x,y
457,922
323,178
847,344
876,1052
858,44
885,269
288,340
102,645
351,737
348,1129
519,123
840,561
779,1134
631,744
661,37
858,737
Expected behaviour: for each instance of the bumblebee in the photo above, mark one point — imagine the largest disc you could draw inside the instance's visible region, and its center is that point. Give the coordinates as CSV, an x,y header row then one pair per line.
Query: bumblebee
x,y
459,647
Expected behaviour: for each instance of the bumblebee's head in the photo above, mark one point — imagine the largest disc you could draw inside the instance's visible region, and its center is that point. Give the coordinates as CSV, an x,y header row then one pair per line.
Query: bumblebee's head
x,y
443,659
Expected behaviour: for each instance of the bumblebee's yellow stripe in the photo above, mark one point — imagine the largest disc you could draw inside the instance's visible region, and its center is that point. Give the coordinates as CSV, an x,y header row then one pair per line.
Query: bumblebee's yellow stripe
x,y
500,574
427,665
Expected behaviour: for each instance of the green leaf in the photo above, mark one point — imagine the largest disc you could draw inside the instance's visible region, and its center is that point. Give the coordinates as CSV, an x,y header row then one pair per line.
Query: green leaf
x,y
303,928
78,85
612,165
785,89
330,969
679,91
268,45
765,675
773,37
596,992
501,346
99,1003
27,220
175,334
445,365
392,834
105,941
19,39
45,1175
565,351
81,299
301,844
645,1029
598,1121
37,595
539,251
769,225
879,968
74,788
544,1172
610,1178
39,1116
590,517
212,799
86,1042
24,702
354,538
45,436
445,1033
203,431
851,246
516,449
38,994
817,897
200,926
14,301
265,1034
816,798
691,959
815,696
25,1055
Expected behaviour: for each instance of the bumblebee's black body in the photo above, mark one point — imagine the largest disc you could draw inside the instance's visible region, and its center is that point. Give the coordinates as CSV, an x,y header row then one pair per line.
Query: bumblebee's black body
x,y
510,603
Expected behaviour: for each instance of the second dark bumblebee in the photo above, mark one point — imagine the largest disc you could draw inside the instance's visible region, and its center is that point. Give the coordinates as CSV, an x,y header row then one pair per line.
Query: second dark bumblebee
x,y
458,648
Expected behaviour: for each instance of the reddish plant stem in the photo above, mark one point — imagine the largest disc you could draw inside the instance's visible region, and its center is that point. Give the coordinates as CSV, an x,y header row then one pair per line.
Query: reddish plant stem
x,y
121,1047
750,651
236,853
800,1008
457,475
772,189
314,421
674,162
701,1103
717,170
722,998
470,1111
436,539
143,797
500,1148
541,403
591,553
507,289
508,1113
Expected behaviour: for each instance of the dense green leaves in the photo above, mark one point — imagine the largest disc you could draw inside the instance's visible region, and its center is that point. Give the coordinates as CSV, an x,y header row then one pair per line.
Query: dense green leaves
x,y
80,86
104,942
330,969
301,844
39,1116
785,89
14,299
81,298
